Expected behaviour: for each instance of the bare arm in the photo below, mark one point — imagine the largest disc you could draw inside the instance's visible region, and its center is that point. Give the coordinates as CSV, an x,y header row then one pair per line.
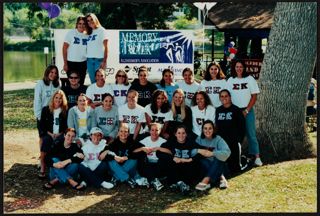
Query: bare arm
x,y
105,56
136,130
148,120
252,101
164,150
65,54
144,149
164,130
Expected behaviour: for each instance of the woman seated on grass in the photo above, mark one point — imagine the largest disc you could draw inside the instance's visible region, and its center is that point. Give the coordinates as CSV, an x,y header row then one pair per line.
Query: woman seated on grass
x,y
92,170
53,123
215,152
180,164
149,166
118,155
63,161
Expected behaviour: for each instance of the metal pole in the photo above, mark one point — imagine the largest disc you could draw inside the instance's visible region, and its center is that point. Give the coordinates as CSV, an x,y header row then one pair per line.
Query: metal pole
x,y
212,50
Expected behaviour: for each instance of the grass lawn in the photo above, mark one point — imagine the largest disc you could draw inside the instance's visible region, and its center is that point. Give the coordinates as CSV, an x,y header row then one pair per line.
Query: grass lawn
x,y
283,187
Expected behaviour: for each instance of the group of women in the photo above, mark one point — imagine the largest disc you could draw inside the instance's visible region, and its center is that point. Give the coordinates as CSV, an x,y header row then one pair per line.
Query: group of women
x,y
140,133
134,133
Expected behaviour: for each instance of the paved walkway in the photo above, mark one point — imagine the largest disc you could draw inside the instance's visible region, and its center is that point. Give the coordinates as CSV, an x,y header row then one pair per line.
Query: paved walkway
x,y
19,85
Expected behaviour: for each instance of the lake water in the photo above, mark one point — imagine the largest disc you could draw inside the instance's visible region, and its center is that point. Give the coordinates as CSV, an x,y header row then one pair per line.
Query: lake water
x,y
19,66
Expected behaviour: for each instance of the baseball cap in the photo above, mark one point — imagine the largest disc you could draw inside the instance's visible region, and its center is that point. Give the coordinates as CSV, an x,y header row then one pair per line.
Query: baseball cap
x,y
95,130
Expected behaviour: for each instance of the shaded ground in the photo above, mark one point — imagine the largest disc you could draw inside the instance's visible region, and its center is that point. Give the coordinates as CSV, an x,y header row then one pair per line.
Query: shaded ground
x,y
23,192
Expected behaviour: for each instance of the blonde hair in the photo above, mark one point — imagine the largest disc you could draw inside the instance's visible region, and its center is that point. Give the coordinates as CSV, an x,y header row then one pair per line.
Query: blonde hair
x,y
182,107
64,105
158,125
126,81
124,125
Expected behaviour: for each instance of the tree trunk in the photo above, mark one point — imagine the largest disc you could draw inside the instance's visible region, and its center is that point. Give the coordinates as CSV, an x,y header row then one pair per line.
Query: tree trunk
x,y
284,80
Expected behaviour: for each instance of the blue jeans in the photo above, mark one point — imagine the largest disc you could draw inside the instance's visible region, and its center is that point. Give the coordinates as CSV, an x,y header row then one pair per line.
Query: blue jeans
x,y
122,172
251,133
69,171
93,64
95,177
213,169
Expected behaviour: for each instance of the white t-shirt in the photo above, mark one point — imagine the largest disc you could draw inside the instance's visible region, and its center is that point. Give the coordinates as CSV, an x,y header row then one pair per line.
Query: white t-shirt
x,y
132,116
120,92
147,142
213,87
56,113
95,47
189,90
199,116
77,45
159,117
241,90
82,122
96,93
91,153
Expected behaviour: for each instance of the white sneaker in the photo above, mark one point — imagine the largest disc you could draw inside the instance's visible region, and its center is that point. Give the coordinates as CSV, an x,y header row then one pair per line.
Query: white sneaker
x,y
142,181
83,183
223,184
258,162
107,185
157,184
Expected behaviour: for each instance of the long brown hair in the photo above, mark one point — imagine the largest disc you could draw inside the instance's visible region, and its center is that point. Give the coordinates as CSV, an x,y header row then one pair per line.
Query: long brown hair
x,y
95,20
45,78
220,75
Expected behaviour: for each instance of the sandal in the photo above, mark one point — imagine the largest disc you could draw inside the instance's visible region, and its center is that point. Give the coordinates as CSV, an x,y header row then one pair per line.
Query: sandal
x,y
42,175
81,188
202,186
48,186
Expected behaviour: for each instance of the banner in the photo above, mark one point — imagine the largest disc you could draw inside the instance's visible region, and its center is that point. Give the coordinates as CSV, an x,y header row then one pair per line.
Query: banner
x,y
130,49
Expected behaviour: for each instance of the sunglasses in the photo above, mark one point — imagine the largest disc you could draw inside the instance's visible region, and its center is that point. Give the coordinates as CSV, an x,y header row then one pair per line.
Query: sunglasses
x,y
123,76
73,77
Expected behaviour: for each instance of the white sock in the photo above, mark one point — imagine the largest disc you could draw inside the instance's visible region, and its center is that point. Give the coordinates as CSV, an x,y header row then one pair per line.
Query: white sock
x,y
107,185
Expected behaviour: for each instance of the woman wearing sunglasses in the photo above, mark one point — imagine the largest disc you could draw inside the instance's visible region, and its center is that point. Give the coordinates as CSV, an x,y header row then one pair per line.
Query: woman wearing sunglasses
x,y
73,89
120,88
